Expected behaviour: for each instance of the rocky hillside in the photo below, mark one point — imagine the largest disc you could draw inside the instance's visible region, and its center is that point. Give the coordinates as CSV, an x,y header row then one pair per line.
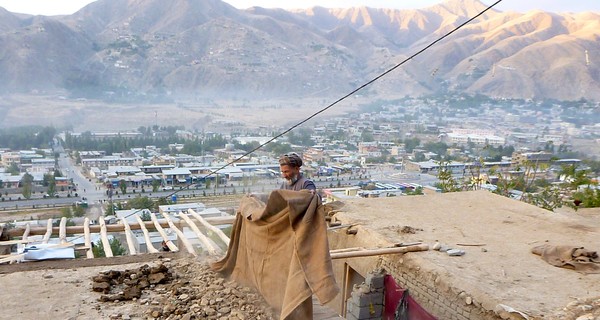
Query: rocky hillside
x,y
207,48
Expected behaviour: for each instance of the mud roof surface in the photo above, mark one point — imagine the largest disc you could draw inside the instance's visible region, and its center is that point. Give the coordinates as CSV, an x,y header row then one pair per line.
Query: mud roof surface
x,y
497,234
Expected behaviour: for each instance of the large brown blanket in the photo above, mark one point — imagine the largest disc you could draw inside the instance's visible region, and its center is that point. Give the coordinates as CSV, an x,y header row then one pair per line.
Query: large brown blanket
x,y
576,258
281,249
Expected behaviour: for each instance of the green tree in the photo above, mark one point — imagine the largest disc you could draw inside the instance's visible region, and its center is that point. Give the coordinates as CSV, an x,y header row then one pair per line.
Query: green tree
x,y
13,169
411,143
417,192
155,185
587,198
27,184
145,216
78,211
447,183
140,203
115,246
51,184
549,198
123,186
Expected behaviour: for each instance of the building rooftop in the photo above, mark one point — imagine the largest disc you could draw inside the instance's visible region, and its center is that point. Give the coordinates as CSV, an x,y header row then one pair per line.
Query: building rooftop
x,y
497,235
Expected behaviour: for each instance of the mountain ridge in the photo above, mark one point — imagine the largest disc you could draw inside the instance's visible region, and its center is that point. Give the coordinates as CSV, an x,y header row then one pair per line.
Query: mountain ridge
x,y
194,48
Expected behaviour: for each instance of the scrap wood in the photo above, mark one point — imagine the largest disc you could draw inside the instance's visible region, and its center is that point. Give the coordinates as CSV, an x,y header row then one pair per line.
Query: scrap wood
x,y
335,226
376,252
406,244
346,249
12,258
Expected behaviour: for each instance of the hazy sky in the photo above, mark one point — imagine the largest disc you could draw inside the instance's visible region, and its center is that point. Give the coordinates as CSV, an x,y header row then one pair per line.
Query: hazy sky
x,y
54,7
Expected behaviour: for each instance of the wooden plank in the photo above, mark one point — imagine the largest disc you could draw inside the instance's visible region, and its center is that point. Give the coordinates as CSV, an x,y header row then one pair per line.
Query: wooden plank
x,y
88,241
377,252
62,234
13,258
149,246
210,227
26,232
104,237
346,249
16,232
48,231
11,242
188,245
163,234
209,247
129,237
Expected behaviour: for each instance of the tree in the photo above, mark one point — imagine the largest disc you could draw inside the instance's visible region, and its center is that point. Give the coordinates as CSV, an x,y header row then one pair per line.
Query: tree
x,y
446,183
51,187
411,143
587,198
78,211
140,203
27,183
155,185
115,246
13,169
145,216
123,186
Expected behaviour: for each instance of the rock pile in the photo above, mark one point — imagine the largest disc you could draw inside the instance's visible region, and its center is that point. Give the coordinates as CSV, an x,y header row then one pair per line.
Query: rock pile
x,y
180,289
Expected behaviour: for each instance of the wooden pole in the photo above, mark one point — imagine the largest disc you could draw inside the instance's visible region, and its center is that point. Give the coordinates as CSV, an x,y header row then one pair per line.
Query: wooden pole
x,y
105,243
210,226
163,234
62,233
88,242
48,231
209,247
377,252
129,237
188,245
149,246
26,232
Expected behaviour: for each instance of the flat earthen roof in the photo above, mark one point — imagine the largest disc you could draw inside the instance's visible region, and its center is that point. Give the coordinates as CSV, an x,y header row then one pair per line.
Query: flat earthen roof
x,y
497,234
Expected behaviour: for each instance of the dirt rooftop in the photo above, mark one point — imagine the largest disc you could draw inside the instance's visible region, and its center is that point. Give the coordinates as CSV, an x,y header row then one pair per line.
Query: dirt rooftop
x,y
497,234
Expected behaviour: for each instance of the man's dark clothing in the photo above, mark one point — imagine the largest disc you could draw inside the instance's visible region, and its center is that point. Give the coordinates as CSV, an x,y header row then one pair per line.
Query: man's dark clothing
x,y
300,184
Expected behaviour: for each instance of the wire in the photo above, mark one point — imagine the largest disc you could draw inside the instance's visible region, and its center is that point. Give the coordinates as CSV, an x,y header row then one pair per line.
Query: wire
x,y
345,96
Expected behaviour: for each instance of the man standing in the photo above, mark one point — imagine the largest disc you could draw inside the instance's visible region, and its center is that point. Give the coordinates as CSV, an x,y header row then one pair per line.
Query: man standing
x,y
290,164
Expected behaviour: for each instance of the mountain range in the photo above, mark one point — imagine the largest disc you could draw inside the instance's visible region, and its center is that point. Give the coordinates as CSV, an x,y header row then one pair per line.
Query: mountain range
x,y
207,48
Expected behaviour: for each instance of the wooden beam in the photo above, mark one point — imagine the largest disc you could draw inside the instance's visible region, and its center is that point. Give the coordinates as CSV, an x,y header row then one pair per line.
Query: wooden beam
x,y
48,231
188,245
149,246
377,252
88,241
26,232
103,236
209,247
17,232
129,237
210,227
163,234
62,233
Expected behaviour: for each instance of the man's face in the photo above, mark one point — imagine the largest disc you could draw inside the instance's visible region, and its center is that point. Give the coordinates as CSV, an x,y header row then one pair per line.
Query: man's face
x,y
289,173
